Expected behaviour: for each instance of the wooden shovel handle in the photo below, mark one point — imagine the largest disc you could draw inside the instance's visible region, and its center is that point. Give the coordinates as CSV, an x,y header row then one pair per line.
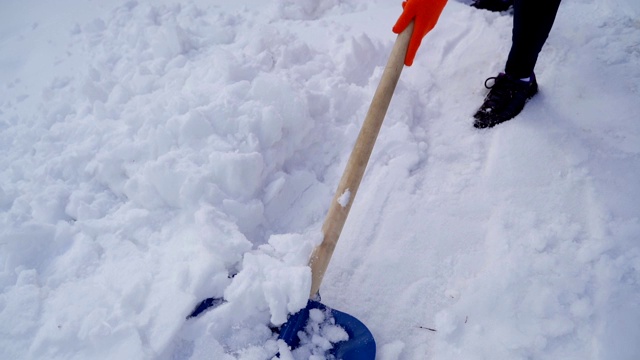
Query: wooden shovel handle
x,y
348,187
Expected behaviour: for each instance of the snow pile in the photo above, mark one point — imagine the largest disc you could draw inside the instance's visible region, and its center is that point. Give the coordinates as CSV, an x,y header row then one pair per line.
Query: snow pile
x,y
154,154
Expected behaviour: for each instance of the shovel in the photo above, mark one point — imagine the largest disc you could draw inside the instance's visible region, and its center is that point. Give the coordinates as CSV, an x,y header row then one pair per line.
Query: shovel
x,y
360,345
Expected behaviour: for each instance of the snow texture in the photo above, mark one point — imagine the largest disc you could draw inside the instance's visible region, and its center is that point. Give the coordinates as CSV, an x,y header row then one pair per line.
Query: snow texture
x,y
157,153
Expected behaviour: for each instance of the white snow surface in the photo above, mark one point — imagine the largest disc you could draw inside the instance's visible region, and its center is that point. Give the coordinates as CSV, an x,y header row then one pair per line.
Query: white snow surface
x,y
150,150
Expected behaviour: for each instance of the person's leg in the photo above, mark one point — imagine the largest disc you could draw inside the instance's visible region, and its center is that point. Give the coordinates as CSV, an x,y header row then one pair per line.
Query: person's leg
x,y
532,22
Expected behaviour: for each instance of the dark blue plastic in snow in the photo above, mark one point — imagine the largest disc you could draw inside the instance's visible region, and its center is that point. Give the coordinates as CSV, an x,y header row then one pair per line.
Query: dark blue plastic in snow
x,y
205,305
360,346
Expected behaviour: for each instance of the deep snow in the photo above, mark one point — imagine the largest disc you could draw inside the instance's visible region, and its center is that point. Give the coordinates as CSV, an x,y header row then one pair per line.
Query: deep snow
x,y
150,150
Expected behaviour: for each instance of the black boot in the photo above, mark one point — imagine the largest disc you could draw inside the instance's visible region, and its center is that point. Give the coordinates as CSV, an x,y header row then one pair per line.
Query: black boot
x,y
505,100
493,5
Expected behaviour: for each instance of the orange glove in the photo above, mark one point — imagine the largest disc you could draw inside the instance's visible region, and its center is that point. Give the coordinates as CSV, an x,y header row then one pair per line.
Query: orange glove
x,y
425,13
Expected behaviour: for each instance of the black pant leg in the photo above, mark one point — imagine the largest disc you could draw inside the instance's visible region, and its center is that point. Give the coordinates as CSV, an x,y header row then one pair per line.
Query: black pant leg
x,y
532,22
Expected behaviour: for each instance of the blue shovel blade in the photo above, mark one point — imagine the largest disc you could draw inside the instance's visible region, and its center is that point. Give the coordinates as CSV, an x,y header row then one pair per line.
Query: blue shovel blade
x,y
360,346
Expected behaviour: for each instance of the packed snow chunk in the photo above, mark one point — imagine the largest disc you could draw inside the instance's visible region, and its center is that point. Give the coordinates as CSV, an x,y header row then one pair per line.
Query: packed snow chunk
x,y
158,183
248,215
206,347
173,33
286,291
359,58
267,283
290,110
292,249
334,333
291,200
239,175
219,236
269,126
49,207
81,257
120,94
195,126
94,92
20,305
344,199
28,247
284,350
85,204
319,336
251,341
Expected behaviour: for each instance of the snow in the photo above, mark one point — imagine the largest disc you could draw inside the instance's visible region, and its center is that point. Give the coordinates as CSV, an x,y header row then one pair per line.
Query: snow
x,y
157,153
319,336
344,198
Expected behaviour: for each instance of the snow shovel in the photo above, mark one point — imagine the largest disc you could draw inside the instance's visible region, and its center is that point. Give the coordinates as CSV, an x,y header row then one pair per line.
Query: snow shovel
x,y
361,344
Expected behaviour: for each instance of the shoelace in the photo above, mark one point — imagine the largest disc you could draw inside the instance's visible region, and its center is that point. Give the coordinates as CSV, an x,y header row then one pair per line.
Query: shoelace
x,y
494,78
499,89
